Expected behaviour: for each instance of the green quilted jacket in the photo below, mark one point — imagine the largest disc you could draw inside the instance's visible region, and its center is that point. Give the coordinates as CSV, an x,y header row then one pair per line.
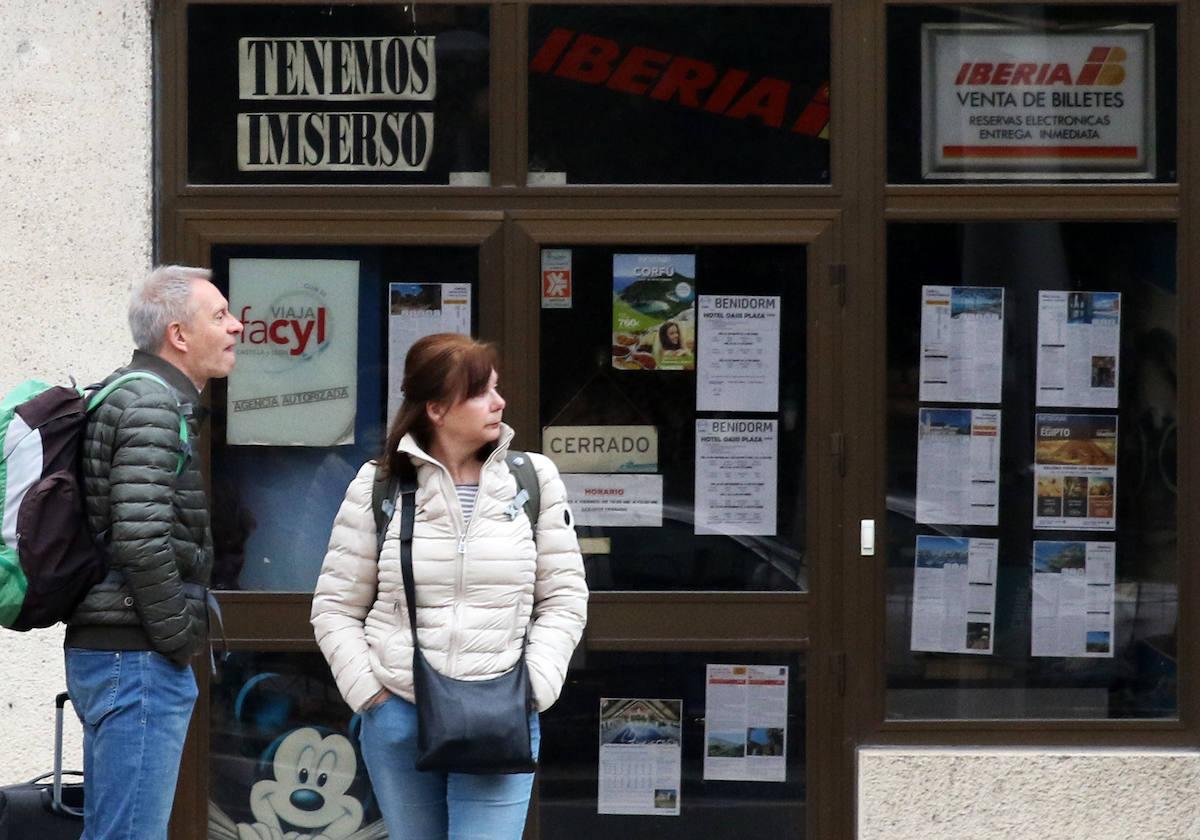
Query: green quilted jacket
x,y
155,522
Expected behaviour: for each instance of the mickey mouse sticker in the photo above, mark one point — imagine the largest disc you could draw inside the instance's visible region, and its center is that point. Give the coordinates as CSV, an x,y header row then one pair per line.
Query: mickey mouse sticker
x,y
306,795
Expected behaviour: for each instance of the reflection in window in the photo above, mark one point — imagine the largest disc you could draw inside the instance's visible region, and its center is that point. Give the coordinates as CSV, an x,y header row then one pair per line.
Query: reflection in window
x,y
276,488
597,371
283,751
568,780
678,95
1085,595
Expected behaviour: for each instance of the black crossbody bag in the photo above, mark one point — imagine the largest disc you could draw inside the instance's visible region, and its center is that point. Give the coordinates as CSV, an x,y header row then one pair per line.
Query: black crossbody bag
x,y
463,726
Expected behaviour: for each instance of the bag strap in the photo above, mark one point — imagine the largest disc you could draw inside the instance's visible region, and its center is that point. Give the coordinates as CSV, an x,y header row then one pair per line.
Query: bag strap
x,y
100,395
529,491
408,515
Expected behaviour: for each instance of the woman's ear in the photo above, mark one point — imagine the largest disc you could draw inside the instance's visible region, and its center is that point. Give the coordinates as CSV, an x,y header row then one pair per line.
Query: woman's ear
x,y
435,411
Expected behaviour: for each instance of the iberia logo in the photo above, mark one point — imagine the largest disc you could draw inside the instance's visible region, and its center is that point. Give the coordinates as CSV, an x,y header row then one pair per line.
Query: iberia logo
x,y
1104,67
684,81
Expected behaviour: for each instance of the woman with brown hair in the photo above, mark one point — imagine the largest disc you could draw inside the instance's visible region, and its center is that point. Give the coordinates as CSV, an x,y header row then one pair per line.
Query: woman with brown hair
x,y
486,589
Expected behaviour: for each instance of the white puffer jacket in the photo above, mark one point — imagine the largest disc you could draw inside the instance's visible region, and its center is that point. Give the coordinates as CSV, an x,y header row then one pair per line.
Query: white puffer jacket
x,y
477,584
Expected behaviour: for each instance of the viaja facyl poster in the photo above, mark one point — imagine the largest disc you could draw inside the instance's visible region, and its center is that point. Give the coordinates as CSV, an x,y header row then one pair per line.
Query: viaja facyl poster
x,y
296,381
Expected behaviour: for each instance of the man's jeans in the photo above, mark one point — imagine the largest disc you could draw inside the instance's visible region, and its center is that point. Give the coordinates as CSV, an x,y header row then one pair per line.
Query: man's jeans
x,y
135,707
420,805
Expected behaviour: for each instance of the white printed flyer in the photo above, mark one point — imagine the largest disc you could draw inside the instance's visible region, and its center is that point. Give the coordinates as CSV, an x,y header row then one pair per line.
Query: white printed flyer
x,y
416,310
739,353
1073,596
1079,349
962,343
737,465
954,594
958,466
1075,472
640,764
296,380
745,723
615,500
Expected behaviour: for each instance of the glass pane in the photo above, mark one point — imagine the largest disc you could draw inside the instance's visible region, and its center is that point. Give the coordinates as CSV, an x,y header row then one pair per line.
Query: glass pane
x,y
1031,93
292,425
264,708
338,94
604,384
569,776
678,95
1065,605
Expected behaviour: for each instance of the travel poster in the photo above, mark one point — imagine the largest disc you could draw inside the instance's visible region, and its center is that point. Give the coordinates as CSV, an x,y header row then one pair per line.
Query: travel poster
x,y
640,756
1079,349
654,312
962,343
954,594
1075,472
416,310
745,723
1073,596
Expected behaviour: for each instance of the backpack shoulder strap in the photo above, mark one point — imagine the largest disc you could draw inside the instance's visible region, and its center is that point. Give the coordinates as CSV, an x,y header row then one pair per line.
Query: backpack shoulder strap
x,y
383,504
97,397
522,469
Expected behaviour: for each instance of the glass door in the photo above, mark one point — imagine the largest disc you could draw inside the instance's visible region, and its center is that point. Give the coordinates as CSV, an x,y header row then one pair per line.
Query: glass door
x,y
675,374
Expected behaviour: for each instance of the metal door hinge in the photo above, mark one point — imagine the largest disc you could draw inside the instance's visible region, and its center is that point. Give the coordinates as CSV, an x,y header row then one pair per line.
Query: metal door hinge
x,y
837,279
837,448
837,662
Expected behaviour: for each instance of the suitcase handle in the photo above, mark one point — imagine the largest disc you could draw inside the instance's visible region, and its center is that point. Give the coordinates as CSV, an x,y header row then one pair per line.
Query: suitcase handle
x,y
56,803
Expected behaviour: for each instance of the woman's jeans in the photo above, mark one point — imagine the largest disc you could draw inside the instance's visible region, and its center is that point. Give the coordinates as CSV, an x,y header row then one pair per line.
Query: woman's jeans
x,y
420,805
135,706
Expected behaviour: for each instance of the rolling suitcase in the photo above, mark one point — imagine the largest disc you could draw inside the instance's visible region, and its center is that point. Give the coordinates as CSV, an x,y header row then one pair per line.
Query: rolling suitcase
x,y
38,810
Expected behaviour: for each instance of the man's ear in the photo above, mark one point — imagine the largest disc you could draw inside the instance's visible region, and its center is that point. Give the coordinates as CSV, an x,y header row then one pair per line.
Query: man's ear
x,y
176,337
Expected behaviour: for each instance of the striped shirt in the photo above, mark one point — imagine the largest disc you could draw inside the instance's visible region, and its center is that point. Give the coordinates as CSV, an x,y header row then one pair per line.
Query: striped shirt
x,y
466,499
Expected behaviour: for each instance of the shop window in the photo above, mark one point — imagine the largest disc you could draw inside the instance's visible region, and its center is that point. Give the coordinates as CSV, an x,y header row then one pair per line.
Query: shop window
x,y
276,725
318,375
338,94
678,95
672,390
583,779
1032,511
1031,93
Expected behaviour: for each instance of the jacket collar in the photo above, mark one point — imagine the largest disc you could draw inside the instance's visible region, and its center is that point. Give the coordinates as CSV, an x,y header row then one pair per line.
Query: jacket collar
x,y
172,375
409,446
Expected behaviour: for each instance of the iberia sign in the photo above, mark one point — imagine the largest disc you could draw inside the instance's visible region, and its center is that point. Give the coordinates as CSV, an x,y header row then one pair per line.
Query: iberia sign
x,y
1001,102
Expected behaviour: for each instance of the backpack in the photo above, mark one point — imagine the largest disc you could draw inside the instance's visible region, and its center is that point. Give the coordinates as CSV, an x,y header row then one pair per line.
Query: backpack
x,y
529,494
49,558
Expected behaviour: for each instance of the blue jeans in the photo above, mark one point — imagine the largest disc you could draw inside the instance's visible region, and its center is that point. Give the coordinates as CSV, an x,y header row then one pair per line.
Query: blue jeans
x,y
134,706
420,805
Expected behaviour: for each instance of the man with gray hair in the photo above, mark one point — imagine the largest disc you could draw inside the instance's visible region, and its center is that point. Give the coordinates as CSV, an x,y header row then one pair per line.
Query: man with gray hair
x,y
130,642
